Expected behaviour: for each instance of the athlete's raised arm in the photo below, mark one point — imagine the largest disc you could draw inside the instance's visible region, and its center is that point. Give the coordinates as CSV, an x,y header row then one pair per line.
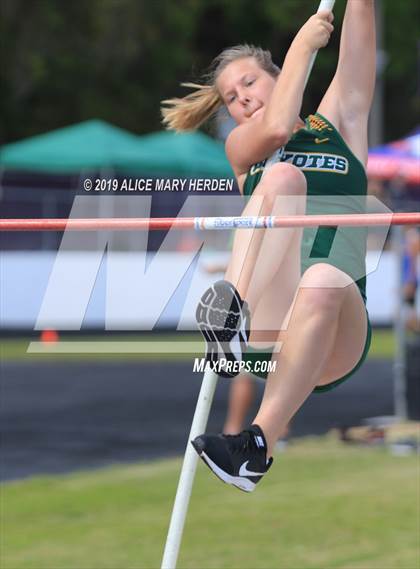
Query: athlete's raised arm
x,y
266,108
349,97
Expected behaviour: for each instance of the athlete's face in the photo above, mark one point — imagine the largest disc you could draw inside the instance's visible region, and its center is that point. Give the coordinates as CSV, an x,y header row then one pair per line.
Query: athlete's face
x,y
245,88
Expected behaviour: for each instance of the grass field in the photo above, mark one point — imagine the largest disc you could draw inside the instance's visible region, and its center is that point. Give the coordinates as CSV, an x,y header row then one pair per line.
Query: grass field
x,y
323,505
383,346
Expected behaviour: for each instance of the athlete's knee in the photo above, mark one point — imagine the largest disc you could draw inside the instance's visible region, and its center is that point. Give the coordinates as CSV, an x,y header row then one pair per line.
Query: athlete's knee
x,y
325,274
322,302
282,179
323,289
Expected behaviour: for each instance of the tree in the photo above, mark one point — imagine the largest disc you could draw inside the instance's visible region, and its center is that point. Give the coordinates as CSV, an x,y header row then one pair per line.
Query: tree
x,y
63,62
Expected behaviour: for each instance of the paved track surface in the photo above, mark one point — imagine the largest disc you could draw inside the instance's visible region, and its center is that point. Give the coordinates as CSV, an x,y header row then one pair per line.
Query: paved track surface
x,y
57,417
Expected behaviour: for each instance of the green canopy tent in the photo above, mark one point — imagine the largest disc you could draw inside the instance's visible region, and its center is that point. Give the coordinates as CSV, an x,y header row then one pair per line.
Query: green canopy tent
x,y
89,145
97,145
183,154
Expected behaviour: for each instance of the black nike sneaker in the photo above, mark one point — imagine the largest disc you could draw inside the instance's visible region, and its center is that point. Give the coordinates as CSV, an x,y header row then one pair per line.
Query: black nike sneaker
x,y
239,460
224,320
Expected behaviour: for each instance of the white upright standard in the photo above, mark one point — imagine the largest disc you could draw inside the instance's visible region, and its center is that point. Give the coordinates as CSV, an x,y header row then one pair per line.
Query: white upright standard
x,y
198,426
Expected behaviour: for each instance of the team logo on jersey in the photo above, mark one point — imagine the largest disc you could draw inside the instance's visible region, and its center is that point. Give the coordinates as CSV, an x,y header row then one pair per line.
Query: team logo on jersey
x,y
258,167
317,162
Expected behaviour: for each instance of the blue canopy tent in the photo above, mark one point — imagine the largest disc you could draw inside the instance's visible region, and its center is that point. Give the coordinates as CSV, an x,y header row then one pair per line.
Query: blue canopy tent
x,y
399,158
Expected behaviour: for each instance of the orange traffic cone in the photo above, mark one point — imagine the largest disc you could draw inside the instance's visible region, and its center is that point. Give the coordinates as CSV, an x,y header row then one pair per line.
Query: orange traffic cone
x,y
49,336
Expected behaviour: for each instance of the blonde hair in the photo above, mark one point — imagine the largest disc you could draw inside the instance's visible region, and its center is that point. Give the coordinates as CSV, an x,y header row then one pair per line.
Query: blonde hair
x,y
195,108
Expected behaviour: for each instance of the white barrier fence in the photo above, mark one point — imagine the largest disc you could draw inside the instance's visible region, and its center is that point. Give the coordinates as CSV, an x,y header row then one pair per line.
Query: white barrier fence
x,y
24,277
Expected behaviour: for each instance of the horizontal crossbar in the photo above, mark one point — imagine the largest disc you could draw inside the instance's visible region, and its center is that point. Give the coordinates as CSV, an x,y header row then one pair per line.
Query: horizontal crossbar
x,y
208,223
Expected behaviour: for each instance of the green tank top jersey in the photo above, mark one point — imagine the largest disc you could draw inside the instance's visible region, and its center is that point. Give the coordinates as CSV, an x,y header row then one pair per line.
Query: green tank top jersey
x,y
336,184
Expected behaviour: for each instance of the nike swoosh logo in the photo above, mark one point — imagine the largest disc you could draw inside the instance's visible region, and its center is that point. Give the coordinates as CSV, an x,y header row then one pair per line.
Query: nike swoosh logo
x,y
321,140
243,471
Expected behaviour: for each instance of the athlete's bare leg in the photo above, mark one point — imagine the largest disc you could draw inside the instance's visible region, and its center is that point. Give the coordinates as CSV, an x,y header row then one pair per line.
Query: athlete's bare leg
x,y
267,319
241,397
253,265
313,353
